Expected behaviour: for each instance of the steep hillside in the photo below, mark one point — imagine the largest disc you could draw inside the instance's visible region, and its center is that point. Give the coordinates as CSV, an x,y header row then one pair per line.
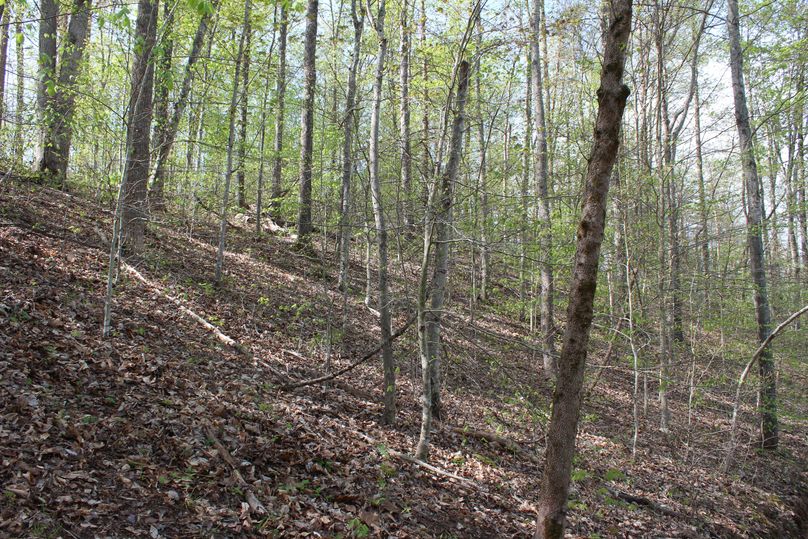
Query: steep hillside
x,y
163,430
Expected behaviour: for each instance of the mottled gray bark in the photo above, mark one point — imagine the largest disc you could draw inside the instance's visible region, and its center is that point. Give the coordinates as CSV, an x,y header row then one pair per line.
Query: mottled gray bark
x,y
612,96
438,229
304,224
754,236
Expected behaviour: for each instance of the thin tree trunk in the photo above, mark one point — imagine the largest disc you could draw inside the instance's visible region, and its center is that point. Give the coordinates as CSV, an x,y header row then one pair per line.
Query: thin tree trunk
x,y
482,184
135,205
4,28
304,225
389,390
169,134
231,143
20,93
429,321
704,233
358,18
280,96
612,96
545,241
241,194
404,119
523,192
754,222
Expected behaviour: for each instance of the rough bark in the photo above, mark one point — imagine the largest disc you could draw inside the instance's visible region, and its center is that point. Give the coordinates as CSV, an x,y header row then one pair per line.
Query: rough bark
x,y
754,223
612,96
304,225
138,137
429,322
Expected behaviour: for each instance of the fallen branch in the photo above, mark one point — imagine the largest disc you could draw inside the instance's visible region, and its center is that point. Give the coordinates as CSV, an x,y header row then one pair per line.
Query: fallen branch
x,y
756,356
229,341
643,501
510,445
352,366
255,505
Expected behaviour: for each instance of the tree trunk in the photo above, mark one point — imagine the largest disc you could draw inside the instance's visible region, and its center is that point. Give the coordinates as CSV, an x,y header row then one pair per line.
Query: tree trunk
x,y
429,321
138,137
524,224
162,85
20,94
241,194
280,96
389,389
404,120
59,123
704,233
482,183
754,222
612,96
228,171
169,134
545,242
49,12
4,28
304,225
358,18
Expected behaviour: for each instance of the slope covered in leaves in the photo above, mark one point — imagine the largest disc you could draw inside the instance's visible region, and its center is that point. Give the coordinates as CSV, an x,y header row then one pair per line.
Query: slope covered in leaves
x,y
163,431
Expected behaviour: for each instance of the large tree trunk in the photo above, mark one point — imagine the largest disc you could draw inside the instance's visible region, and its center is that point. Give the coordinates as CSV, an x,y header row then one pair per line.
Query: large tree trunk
x,y
545,242
138,136
612,96
169,134
429,320
358,18
304,225
754,222
389,390
241,194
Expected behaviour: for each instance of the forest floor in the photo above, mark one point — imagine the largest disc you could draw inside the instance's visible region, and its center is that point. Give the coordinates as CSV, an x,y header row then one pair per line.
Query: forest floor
x,y
162,430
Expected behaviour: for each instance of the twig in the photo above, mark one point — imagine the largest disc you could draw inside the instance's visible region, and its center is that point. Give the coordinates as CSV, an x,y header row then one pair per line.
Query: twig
x,y
353,365
731,447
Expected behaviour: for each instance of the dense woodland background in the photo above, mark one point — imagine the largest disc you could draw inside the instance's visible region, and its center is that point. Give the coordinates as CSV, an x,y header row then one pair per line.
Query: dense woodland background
x,y
295,268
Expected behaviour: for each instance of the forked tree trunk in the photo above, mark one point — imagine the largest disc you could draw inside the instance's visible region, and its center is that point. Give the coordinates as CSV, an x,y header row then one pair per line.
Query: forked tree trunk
x,y
358,18
612,96
389,389
304,225
438,229
754,223
135,206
